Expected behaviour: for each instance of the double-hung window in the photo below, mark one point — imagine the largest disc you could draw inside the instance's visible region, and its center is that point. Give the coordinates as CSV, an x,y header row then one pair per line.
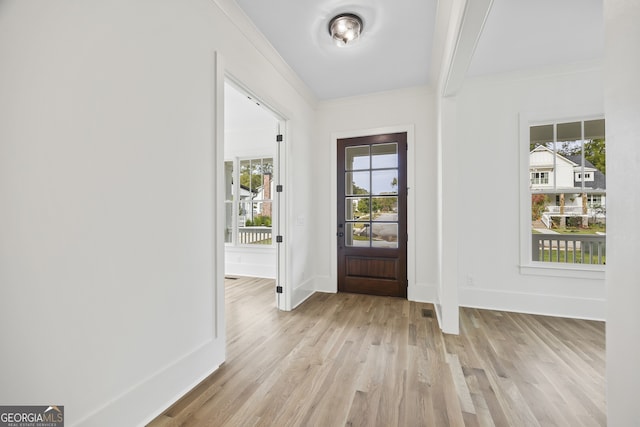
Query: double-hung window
x,y
249,189
539,177
564,207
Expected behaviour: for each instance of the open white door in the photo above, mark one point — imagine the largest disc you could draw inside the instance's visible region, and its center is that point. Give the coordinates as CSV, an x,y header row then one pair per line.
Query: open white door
x,y
283,292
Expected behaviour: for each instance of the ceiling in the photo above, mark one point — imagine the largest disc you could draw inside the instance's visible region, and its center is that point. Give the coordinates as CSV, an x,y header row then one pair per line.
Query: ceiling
x,y
394,51
396,45
525,34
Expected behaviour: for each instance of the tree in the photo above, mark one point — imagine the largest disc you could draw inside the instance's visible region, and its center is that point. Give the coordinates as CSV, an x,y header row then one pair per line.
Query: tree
x,y
594,151
363,206
252,172
385,204
358,190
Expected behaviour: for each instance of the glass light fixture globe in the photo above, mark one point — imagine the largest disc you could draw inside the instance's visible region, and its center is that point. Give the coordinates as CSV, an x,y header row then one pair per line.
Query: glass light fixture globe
x,y
345,28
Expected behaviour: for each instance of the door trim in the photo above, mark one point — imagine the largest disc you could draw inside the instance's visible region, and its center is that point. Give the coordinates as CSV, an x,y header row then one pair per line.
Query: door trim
x,y
411,216
283,301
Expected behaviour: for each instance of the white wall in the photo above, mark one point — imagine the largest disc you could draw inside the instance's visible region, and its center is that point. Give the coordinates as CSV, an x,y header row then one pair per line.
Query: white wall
x,y
488,135
250,143
107,298
249,261
409,108
622,107
255,261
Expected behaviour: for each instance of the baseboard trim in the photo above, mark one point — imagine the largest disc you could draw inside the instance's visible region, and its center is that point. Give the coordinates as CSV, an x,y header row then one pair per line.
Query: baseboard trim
x,y
422,293
257,270
302,292
147,400
528,303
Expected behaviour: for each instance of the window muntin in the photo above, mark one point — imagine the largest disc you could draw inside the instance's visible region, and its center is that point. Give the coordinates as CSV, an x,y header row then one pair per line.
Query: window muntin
x,y
567,192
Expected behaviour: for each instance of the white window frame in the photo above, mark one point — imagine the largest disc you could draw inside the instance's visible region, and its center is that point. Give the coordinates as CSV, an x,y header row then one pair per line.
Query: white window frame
x,y
236,201
588,176
540,180
591,202
538,268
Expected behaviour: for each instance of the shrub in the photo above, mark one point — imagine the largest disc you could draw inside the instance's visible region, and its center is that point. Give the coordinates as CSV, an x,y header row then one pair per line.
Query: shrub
x,y
258,221
574,222
538,204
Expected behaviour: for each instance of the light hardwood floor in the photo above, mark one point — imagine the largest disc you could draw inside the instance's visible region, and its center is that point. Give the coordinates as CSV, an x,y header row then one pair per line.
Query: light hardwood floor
x,y
358,360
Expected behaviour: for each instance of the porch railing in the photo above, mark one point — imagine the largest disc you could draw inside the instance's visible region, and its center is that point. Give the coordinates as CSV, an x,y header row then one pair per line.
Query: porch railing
x,y
546,220
254,235
567,248
569,210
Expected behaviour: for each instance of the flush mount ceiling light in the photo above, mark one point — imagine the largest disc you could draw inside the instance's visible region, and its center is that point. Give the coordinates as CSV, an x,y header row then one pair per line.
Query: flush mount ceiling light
x,y
345,28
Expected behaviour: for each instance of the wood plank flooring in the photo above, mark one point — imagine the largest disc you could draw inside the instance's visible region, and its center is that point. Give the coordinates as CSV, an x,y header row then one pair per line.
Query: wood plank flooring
x,y
358,360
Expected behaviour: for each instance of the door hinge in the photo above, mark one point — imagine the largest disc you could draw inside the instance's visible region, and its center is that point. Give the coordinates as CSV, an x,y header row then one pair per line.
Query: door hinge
x,y
278,188
279,138
278,239
278,289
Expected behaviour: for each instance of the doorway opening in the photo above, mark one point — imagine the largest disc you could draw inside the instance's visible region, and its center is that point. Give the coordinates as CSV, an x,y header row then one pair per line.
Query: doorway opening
x,y
253,169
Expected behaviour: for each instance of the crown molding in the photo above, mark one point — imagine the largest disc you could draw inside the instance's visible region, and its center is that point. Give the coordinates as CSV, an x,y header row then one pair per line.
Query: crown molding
x,y
244,24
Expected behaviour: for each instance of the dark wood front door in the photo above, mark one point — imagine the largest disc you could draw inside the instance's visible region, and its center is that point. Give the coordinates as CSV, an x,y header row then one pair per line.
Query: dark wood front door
x,y
372,215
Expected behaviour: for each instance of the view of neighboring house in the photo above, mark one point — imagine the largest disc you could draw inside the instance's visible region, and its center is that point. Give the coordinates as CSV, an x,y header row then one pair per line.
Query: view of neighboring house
x,y
255,202
573,188
255,213
249,214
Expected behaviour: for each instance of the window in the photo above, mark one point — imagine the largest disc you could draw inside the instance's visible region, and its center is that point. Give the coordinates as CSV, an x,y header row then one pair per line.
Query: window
x,y
539,178
594,200
249,191
588,176
566,194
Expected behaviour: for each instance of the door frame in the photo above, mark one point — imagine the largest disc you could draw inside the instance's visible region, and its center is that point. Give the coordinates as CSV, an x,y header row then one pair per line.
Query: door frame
x,y
411,203
280,199
381,256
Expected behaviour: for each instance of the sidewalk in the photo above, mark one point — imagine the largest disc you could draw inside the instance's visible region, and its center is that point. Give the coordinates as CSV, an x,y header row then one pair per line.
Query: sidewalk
x,y
541,228
545,231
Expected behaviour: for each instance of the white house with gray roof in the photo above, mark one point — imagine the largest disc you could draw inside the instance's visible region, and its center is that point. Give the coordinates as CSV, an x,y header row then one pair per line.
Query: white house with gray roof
x,y
575,187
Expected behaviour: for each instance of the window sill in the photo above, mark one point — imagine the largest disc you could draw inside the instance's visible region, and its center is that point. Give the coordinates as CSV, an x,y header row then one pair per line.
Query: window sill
x,y
249,246
594,272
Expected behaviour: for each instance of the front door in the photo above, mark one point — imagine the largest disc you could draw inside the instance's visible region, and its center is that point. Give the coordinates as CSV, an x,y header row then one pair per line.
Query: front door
x,y
372,215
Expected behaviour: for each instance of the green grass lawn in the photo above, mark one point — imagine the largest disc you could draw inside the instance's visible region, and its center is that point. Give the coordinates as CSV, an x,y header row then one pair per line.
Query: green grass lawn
x,y
579,230
262,242
591,230
552,256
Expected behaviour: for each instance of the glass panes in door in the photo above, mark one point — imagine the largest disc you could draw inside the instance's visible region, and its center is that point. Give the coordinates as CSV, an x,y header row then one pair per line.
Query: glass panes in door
x,y
371,195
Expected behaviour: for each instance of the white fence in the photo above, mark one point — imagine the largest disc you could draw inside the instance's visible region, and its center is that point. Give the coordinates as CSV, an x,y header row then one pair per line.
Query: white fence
x,y
568,248
254,235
